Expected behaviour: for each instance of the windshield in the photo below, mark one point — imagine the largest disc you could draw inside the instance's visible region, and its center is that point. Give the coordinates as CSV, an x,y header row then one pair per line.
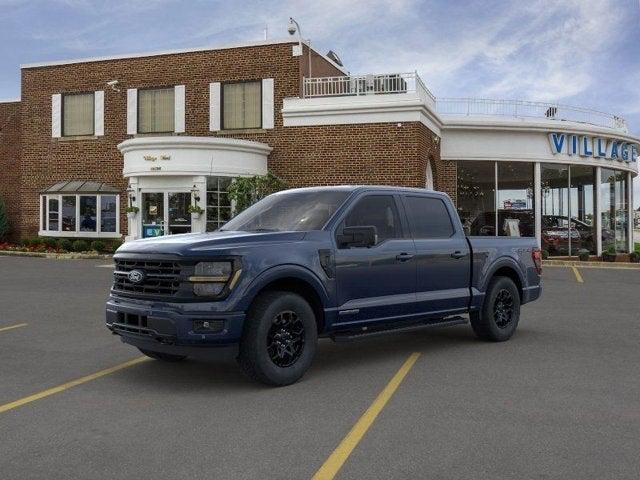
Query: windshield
x,y
294,211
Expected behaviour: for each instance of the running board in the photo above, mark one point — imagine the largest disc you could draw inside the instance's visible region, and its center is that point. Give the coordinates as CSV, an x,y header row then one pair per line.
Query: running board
x,y
351,335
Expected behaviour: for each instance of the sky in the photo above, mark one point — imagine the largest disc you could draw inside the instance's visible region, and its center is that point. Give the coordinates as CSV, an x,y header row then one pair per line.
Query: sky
x,y
577,52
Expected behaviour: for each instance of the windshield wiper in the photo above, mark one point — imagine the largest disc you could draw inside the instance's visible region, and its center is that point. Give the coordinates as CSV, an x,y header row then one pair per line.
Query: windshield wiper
x,y
263,230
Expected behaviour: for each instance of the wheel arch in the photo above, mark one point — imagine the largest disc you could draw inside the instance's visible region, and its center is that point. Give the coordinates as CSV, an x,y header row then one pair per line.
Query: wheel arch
x,y
293,279
506,268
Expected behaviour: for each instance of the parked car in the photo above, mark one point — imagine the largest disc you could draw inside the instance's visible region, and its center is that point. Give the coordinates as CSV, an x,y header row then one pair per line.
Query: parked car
x,y
338,262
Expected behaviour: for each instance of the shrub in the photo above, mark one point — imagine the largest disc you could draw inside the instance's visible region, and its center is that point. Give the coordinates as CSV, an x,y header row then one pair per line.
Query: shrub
x,y
98,245
65,244
49,242
25,242
634,257
4,221
545,254
583,254
113,245
80,246
35,241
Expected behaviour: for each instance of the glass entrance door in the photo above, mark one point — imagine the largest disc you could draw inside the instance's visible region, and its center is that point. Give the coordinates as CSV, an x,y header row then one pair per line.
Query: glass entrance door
x,y
179,218
165,213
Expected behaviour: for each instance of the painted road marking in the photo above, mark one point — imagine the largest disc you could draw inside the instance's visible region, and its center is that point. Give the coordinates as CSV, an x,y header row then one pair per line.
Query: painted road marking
x,y
106,266
334,463
577,274
4,329
74,383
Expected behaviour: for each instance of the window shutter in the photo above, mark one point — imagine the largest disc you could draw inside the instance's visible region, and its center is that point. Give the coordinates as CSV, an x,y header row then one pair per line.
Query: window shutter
x,y
98,112
56,115
179,99
132,111
267,103
215,112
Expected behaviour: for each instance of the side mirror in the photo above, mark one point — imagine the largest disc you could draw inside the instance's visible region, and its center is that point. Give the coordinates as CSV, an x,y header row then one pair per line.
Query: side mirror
x,y
358,237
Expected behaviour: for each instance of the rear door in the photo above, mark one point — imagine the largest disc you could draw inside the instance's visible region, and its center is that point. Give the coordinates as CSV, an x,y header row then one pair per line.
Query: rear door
x,y
376,283
443,256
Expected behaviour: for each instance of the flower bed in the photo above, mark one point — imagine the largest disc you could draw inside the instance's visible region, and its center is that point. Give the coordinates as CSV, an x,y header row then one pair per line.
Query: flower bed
x,y
48,245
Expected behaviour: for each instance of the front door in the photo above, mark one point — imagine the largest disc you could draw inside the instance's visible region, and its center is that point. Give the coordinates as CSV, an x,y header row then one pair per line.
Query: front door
x,y
165,213
375,283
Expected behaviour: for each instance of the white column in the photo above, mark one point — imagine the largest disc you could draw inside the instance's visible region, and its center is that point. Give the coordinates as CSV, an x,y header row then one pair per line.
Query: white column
x,y
630,210
537,201
598,210
134,225
200,225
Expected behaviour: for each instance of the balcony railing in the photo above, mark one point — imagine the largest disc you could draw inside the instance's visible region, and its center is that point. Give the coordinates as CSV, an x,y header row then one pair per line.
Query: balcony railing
x,y
526,109
356,85
401,83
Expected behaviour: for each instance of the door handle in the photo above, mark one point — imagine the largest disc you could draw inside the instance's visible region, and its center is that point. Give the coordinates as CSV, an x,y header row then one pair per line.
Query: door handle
x,y
458,254
403,257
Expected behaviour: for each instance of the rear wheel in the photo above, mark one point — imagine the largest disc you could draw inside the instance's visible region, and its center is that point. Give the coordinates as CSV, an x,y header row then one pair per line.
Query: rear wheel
x,y
498,319
280,337
165,357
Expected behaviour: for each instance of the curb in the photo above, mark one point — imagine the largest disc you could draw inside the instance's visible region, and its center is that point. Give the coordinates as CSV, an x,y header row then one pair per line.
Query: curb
x,y
603,265
57,256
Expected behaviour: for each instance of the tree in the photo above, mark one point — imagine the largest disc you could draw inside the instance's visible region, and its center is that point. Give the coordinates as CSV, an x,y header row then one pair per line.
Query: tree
x,y
4,221
245,191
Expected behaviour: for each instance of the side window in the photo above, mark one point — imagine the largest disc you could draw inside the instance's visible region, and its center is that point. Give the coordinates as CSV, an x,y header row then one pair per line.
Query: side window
x,y
428,217
378,211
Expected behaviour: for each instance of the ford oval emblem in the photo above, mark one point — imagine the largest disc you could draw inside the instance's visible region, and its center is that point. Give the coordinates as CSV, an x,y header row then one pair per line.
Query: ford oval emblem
x,y
136,276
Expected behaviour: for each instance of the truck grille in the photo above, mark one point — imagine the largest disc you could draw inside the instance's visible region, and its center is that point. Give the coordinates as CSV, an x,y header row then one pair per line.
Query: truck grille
x,y
160,277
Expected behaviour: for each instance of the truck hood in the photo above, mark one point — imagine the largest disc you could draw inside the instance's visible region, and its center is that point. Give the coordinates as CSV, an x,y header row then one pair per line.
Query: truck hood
x,y
199,243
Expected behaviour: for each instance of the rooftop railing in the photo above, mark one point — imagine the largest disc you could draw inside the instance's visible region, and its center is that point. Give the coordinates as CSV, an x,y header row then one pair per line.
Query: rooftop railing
x,y
526,109
356,85
399,83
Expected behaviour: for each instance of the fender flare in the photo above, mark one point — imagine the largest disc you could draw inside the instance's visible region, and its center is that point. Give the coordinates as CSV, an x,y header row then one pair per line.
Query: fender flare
x,y
280,272
498,264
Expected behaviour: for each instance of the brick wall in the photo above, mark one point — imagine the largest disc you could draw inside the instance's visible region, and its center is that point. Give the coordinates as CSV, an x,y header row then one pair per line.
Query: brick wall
x,y
323,155
9,160
444,171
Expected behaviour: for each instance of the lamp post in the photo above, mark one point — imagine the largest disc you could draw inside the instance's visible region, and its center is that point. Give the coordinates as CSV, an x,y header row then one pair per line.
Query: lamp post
x,y
292,29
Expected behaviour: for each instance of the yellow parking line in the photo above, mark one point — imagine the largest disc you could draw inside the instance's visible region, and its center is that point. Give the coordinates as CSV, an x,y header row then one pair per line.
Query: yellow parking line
x,y
4,329
577,274
332,465
65,386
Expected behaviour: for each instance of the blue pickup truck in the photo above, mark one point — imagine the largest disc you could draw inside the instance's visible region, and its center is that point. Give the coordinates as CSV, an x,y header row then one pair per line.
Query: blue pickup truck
x,y
339,262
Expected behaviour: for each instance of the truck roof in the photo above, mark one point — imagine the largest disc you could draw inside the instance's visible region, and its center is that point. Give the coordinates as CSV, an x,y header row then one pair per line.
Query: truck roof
x,y
364,188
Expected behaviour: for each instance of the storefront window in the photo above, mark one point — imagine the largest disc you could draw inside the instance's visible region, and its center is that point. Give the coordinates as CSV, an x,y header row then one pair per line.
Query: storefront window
x,y
555,209
88,214
108,213
615,217
218,203
515,200
582,208
69,213
476,197
77,215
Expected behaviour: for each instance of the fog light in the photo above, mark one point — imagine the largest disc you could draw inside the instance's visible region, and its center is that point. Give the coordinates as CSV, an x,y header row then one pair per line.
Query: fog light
x,y
208,326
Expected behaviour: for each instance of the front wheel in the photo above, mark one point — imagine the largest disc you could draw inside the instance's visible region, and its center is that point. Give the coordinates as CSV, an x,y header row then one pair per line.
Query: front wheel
x,y
498,319
280,338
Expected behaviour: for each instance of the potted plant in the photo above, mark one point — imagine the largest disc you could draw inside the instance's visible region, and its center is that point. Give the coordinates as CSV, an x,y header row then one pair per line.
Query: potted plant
x,y
195,211
583,255
610,254
132,211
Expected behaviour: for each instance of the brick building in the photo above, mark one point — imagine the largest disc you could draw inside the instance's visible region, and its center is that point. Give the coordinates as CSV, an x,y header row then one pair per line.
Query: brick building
x,y
162,131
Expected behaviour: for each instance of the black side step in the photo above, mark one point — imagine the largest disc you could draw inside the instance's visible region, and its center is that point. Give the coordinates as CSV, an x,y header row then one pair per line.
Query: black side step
x,y
352,335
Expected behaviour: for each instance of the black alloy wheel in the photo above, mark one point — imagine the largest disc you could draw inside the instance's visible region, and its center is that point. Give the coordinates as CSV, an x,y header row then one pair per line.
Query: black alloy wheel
x,y
503,308
285,340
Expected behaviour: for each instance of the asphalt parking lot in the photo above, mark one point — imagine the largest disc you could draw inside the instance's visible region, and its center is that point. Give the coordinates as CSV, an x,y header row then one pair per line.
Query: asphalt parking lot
x,y
560,400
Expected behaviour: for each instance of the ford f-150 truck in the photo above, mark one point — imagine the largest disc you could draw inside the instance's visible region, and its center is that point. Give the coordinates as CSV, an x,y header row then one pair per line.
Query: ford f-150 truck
x,y
339,262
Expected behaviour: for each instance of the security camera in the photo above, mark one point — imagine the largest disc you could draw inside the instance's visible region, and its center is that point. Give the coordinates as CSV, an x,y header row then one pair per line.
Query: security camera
x,y
112,84
292,27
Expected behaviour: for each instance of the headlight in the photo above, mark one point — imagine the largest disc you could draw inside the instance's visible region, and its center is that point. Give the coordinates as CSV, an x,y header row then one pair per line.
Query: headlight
x,y
210,278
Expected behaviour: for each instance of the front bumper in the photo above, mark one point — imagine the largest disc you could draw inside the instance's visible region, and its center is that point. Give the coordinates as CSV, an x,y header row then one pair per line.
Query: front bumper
x,y
172,324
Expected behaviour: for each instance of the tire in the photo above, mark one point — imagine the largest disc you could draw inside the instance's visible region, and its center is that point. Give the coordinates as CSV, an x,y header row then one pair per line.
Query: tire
x,y
498,319
279,340
165,357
